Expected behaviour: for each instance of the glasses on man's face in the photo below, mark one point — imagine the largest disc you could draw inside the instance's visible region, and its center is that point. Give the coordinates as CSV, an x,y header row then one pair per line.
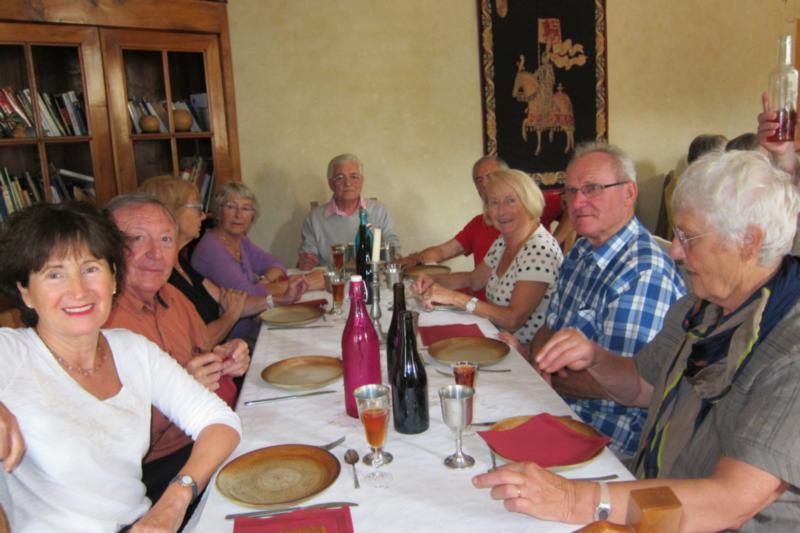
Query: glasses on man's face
x,y
199,207
589,190
684,240
340,178
232,207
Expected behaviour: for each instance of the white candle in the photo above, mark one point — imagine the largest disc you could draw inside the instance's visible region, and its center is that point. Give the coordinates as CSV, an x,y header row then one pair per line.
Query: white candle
x,y
376,245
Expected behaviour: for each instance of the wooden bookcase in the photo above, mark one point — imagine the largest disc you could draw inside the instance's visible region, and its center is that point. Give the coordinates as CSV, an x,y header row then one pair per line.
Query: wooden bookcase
x,y
109,52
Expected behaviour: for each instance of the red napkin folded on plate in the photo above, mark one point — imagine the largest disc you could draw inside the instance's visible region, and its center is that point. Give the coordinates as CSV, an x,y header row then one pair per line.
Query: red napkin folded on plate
x,y
545,441
431,334
328,520
312,303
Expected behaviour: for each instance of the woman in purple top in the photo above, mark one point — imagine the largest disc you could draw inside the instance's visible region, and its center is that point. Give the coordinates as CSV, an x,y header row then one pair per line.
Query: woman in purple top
x,y
228,258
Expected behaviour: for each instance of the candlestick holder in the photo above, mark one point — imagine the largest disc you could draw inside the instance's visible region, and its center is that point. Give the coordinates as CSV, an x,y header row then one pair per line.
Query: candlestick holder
x,y
375,308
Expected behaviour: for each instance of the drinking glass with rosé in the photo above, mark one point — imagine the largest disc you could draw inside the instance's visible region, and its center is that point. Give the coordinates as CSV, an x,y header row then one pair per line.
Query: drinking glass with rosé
x,y
337,253
373,410
464,373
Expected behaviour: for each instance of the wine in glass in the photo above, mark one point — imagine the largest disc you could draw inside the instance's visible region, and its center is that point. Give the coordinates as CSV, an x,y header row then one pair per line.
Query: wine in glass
x,y
337,254
464,373
373,410
457,416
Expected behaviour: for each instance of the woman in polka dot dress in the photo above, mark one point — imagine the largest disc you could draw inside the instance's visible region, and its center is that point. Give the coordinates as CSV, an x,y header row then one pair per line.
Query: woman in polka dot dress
x,y
518,272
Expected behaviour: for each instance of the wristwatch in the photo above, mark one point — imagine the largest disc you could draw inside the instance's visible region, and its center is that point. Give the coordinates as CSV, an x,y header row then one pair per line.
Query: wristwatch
x,y
603,509
186,480
471,305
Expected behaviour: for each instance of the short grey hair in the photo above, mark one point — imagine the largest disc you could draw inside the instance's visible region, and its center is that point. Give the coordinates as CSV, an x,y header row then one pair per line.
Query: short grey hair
x,y
624,169
344,158
136,199
501,164
229,188
738,189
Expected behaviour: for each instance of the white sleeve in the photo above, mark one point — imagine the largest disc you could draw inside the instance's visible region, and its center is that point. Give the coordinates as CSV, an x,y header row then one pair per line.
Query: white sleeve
x,y
181,398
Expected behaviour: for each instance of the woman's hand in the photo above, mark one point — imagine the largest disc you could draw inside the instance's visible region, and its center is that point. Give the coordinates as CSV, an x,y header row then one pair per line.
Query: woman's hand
x,y
527,488
567,348
315,280
207,369
232,301
235,357
166,514
12,445
421,283
297,286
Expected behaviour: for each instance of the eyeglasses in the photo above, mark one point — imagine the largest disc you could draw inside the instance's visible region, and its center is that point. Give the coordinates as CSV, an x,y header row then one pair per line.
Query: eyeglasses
x,y
684,240
338,178
589,190
246,209
193,206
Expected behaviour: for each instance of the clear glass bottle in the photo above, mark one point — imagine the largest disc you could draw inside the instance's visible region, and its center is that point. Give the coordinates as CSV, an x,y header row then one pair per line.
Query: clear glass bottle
x,y
360,347
409,383
783,91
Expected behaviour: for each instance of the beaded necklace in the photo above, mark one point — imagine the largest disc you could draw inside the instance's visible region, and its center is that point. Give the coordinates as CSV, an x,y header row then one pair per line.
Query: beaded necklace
x,y
88,372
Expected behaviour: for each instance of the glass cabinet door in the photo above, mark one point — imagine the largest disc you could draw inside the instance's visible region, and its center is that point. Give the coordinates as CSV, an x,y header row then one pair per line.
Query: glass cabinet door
x,y
167,107
54,142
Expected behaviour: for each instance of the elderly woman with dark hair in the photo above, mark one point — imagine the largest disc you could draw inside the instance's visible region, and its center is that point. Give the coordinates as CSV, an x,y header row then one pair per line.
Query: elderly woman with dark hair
x,y
721,380
82,395
519,270
227,257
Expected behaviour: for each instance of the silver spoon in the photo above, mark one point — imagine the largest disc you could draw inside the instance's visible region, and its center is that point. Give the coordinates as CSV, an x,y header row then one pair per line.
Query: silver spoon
x,y
351,458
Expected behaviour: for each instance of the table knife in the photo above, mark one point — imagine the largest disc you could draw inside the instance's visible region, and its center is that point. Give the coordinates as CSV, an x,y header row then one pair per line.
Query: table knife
x,y
281,510
297,327
288,397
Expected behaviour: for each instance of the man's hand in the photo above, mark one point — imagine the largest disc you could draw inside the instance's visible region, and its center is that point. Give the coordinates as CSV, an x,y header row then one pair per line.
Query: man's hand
x,y
307,260
567,348
12,445
235,357
207,369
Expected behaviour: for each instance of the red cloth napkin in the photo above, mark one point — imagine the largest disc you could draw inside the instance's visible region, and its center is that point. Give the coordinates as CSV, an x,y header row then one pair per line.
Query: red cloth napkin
x,y
312,303
431,334
545,441
323,520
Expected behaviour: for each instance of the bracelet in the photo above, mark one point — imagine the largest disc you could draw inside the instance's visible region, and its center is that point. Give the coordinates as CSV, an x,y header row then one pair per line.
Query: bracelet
x,y
270,301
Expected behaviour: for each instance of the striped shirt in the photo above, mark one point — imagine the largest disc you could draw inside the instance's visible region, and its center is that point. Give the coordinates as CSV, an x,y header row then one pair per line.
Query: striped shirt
x,y
617,295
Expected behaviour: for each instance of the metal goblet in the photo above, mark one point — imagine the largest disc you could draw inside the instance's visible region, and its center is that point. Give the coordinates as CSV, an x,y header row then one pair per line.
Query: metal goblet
x,y
457,416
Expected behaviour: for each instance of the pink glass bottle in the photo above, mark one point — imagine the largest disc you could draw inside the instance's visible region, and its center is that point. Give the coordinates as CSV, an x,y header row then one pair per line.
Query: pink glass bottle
x,y
360,347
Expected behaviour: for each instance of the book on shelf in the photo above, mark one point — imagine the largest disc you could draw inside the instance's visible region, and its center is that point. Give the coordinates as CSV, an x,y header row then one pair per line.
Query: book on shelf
x,y
199,102
74,112
54,114
18,191
206,190
193,168
11,107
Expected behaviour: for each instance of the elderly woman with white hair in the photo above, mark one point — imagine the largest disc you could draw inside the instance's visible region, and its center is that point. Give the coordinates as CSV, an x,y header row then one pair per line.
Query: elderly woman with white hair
x,y
721,380
519,270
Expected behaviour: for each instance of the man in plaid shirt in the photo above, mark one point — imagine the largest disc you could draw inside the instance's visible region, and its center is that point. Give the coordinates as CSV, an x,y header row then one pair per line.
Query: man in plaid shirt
x,y
615,285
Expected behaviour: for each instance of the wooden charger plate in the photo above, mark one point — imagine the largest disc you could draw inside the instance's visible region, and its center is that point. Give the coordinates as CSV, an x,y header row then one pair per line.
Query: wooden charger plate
x,y
576,425
291,315
278,475
479,350
431,270
303,372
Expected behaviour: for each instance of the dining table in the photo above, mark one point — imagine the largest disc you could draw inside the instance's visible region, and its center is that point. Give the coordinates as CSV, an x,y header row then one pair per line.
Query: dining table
x,y
424,495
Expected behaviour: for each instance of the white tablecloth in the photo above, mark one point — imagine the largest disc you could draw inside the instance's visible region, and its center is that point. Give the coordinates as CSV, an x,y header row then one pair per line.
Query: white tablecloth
x,y
424,495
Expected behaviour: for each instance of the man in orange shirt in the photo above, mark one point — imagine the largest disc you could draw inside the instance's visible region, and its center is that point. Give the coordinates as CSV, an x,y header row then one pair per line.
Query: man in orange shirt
x,y
148,305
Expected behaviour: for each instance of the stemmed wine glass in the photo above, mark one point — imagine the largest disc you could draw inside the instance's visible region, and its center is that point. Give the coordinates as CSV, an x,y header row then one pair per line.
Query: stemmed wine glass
x,y
457,415
334,284
373,410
